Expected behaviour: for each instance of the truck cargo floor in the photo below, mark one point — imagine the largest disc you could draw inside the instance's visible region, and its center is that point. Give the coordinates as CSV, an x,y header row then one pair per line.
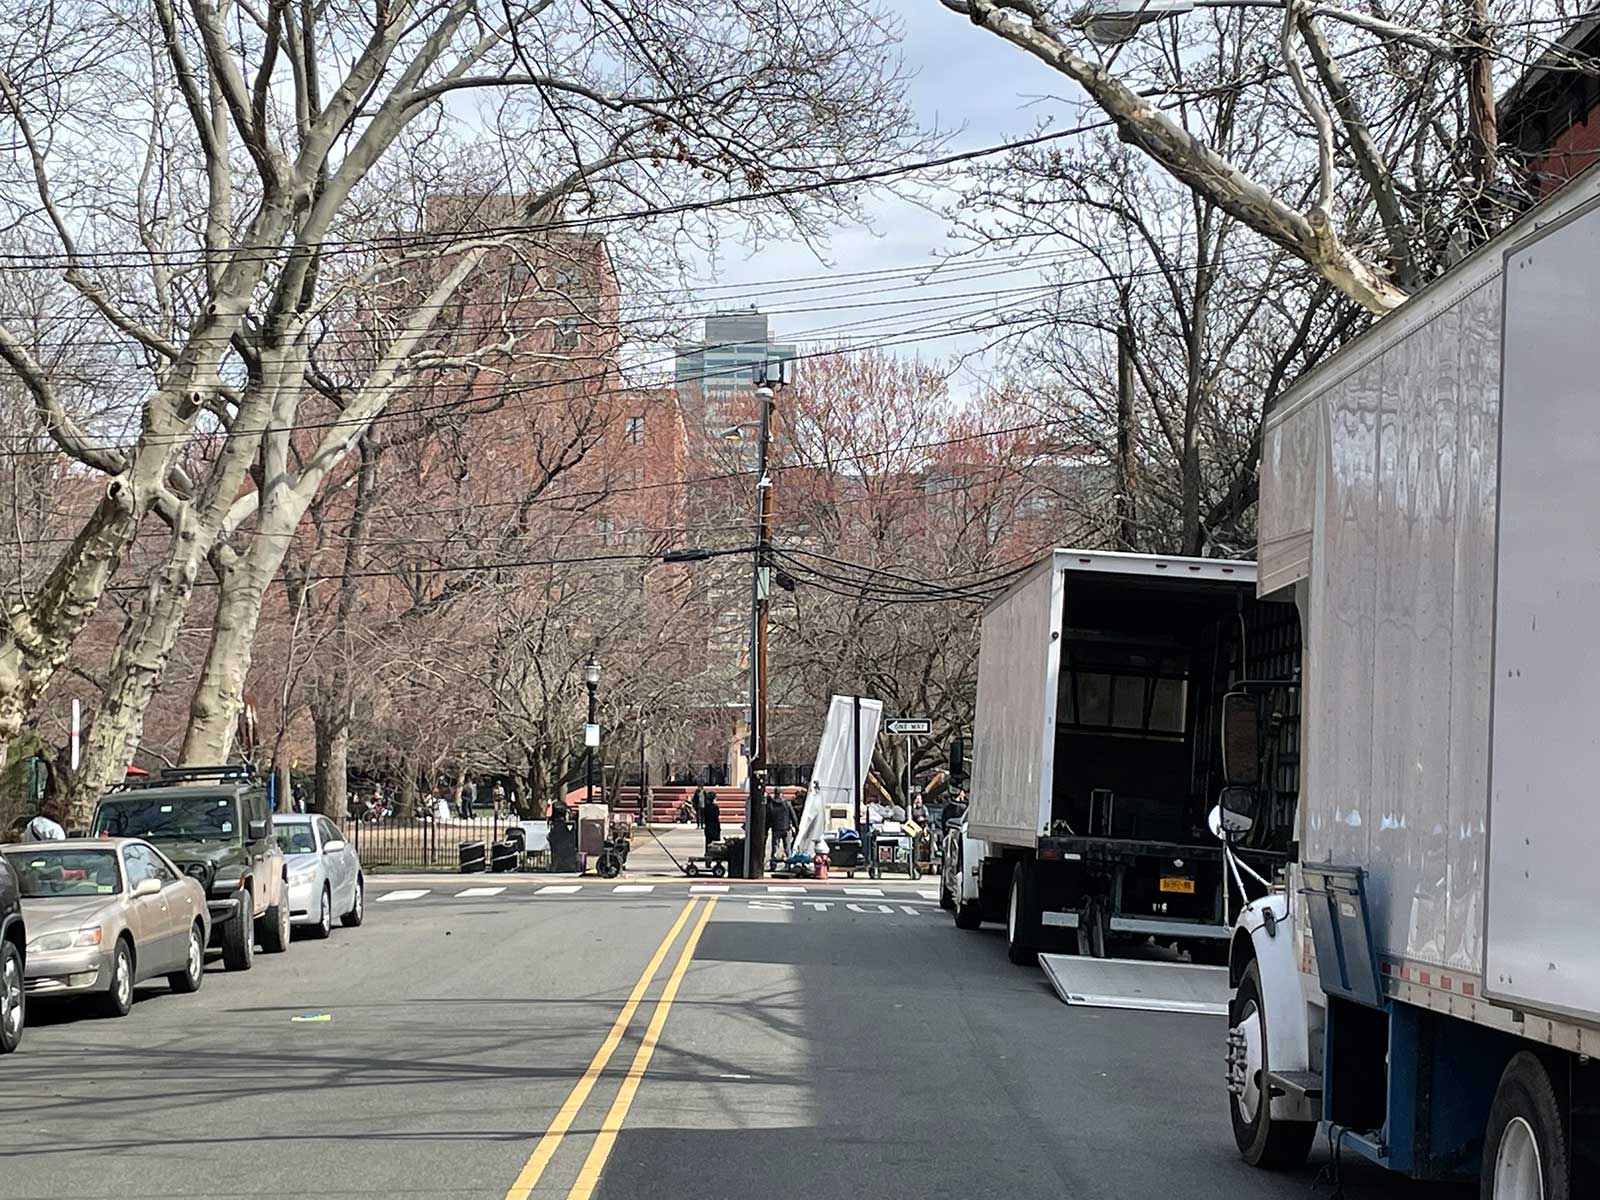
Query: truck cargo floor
x,y
1131,983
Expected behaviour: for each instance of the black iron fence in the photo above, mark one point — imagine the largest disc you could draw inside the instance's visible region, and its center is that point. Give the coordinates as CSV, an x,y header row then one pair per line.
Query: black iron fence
x,y
421,843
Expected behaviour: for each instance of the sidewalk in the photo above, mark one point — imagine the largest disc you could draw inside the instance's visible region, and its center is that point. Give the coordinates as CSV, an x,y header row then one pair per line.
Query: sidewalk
x,y
647,857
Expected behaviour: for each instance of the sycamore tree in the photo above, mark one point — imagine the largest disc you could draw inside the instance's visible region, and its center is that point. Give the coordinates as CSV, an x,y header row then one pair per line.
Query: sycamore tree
x,y
1164,337
223,189
1385,163
900,513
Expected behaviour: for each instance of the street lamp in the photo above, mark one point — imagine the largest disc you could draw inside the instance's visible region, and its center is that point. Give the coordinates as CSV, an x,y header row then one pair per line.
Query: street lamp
x,y
591,731
1112,22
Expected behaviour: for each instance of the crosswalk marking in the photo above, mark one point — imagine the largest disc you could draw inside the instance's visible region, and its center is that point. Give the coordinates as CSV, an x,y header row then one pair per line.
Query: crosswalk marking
x,y
633,889
928,893
480,891
406,894
702,888
863,891
559,889
783,889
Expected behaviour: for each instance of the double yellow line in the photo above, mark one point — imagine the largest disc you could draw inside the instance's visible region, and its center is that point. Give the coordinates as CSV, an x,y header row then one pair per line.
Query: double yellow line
x,y
606,1138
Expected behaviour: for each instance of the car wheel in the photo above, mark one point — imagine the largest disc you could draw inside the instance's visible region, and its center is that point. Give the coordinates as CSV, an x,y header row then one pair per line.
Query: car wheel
x,y
194,966
275,927
238,938
118,999
324,925
13,998
358,911
1276,1145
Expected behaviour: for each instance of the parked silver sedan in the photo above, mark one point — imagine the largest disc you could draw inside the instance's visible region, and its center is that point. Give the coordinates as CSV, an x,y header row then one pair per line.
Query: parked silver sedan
x,y
325,879
105,915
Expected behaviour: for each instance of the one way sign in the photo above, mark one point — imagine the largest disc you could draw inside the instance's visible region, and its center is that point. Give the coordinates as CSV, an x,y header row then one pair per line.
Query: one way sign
x,y
907,726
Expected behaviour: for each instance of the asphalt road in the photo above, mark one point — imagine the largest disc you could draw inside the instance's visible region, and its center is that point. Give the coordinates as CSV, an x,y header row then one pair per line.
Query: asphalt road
x,y
809,1045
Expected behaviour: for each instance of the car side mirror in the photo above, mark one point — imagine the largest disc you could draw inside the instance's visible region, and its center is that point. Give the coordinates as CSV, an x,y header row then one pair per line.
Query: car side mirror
x,y
258,830
333,847
1241,740
147,887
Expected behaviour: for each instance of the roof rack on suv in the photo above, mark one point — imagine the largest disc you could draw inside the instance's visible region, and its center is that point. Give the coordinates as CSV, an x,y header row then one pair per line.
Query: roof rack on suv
x,y
172,776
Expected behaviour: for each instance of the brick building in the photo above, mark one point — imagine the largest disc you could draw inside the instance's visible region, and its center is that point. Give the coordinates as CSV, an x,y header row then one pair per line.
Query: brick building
x,y
1550,117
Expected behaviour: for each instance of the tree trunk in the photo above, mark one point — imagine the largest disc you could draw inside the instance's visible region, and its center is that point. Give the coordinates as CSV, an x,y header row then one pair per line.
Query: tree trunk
x,y
136,668
332,736
219,695
405,805
36,636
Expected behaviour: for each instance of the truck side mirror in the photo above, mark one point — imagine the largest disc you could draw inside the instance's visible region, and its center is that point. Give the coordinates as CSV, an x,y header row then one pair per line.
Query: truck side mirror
x,y
1241,740
958,761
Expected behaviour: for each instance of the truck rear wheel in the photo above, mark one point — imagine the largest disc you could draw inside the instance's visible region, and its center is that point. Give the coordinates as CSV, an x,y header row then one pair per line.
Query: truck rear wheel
x,y
1022,917
1525,1153
1263,1142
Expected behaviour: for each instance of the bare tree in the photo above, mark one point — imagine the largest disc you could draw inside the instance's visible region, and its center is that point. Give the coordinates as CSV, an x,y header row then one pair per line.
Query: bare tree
x,y
1385,164
1164,339
234,240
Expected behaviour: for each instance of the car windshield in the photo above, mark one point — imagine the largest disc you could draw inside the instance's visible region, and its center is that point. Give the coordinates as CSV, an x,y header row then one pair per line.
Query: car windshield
x,y
67,871
295,839
170,818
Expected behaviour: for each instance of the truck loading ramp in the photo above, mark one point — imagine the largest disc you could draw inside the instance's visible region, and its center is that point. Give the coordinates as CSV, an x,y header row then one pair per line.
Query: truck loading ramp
x,y
1134,983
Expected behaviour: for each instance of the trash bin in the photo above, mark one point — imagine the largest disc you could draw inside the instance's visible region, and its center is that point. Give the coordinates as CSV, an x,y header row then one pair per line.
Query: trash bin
x,y
564,844
505,856
469,855
735,857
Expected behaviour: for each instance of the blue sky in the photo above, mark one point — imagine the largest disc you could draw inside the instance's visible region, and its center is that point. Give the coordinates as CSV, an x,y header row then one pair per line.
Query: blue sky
x,y
965,83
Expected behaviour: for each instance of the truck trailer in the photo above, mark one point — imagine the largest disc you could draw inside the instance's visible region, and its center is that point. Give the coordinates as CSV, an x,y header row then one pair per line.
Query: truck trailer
x,y
1423,986
1101,678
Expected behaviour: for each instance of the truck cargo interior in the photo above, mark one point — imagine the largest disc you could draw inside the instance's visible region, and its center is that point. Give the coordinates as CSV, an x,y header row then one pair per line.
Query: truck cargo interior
x,y
1144,667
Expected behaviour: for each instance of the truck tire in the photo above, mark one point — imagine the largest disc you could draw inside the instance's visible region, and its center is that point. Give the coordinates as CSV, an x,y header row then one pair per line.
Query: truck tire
x,y
1263,1142
239,938
1022,917
1525,1153
275,925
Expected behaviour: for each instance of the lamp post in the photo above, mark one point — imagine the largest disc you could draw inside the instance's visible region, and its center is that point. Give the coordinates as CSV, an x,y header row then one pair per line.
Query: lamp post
x,y
591,731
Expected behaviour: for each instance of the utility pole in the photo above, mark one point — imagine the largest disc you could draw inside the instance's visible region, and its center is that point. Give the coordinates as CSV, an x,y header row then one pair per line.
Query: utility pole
x,y
1127,524
755,810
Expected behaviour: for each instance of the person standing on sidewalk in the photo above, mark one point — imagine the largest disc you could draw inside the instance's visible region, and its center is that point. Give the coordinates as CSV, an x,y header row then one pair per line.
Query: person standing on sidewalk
x,y
780,823
469,798
711,820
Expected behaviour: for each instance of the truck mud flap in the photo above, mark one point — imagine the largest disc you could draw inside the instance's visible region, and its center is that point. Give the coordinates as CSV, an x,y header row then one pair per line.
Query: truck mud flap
x,y
1133,983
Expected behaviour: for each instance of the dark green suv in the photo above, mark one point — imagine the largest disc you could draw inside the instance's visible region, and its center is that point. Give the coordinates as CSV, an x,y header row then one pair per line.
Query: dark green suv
x,y
216,825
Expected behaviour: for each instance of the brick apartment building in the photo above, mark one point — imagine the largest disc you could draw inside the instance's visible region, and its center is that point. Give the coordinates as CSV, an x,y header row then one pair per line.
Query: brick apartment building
x,y
1550,117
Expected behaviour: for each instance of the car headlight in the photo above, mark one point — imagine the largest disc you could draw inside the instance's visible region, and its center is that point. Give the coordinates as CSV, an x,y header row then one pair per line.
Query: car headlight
x,y
301,878
65,939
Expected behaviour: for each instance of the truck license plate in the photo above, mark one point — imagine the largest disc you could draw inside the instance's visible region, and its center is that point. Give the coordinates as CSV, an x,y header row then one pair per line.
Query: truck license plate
x,y
1176,883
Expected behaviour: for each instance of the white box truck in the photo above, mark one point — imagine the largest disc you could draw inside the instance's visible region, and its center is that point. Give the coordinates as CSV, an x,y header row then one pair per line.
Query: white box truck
x,y
1426,986
1101,678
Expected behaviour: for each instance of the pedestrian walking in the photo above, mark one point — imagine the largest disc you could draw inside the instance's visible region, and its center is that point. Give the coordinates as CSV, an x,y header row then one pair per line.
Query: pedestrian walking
x,y
469,798
698,803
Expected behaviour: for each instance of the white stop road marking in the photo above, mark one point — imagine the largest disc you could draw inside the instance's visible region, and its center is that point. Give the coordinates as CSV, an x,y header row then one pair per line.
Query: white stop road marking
x,y
482,891
407,894
559,889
